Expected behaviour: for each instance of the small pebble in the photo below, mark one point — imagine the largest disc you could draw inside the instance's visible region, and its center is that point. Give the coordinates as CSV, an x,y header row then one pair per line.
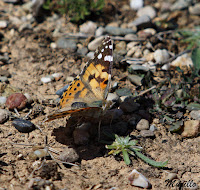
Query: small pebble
x,y
88,27
135,79
65,43
23,126
143,124
153,128
195,10
195,114
2,100
30,100
57,76
136,4
16,100
191,128
68,155
171,176
3,79
4,115
147,133
161,55
137,179
147,10
117,31
53,45
93,45
3,24
184,61
90,54
100,31
39,153
47,79
112,97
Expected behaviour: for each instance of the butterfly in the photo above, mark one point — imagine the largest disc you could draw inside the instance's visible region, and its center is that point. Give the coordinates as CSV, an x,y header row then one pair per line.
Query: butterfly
x,y
89,90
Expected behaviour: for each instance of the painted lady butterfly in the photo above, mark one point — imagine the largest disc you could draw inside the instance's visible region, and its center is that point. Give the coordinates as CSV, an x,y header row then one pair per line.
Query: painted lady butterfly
x,y
89,90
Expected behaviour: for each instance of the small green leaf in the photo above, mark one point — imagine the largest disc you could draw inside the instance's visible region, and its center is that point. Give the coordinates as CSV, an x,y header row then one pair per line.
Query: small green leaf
x,y
193,106
150,161
126,157
176,126
196,60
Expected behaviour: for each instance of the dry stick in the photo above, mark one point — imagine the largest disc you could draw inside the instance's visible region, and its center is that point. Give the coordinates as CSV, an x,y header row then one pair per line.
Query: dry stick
x,y
145,91
84,36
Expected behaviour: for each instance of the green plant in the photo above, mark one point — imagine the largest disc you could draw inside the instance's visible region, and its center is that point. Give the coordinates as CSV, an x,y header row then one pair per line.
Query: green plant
x,y
77,10
127,146
190,36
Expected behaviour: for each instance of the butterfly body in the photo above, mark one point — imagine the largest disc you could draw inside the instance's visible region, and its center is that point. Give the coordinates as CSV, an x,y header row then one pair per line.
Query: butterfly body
x,y
89,90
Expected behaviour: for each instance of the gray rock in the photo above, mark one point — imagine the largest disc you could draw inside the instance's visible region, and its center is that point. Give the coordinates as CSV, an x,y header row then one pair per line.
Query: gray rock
x,y
191,128
143,124
147,10
142,21
153,128
25,26
113,97
117,31
88,27
181,4
69,155
147,133
133,68
195,114
123,92
66,44
100,31
93,45
3,79
4,114
3,24
2,100
82,51
195,10
136,4
135,79
90,54
161,55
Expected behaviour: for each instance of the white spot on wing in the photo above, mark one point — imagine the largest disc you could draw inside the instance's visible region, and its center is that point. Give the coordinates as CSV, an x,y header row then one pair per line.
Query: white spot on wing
x,y
108,58
102,50
99,56
106,47
110,46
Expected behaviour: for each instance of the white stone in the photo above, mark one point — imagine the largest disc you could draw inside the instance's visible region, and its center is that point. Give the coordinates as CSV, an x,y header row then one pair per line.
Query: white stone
x,y
46,79
136,4
53,45
2,100
93,45
3,24
161,55
147,10
137,179
182,61
88,27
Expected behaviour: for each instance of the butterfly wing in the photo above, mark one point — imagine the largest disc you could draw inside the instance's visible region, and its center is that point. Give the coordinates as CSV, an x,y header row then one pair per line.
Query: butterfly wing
x,y
92,85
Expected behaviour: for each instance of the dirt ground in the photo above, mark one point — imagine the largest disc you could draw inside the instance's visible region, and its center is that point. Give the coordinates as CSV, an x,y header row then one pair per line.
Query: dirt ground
x,y
31,58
